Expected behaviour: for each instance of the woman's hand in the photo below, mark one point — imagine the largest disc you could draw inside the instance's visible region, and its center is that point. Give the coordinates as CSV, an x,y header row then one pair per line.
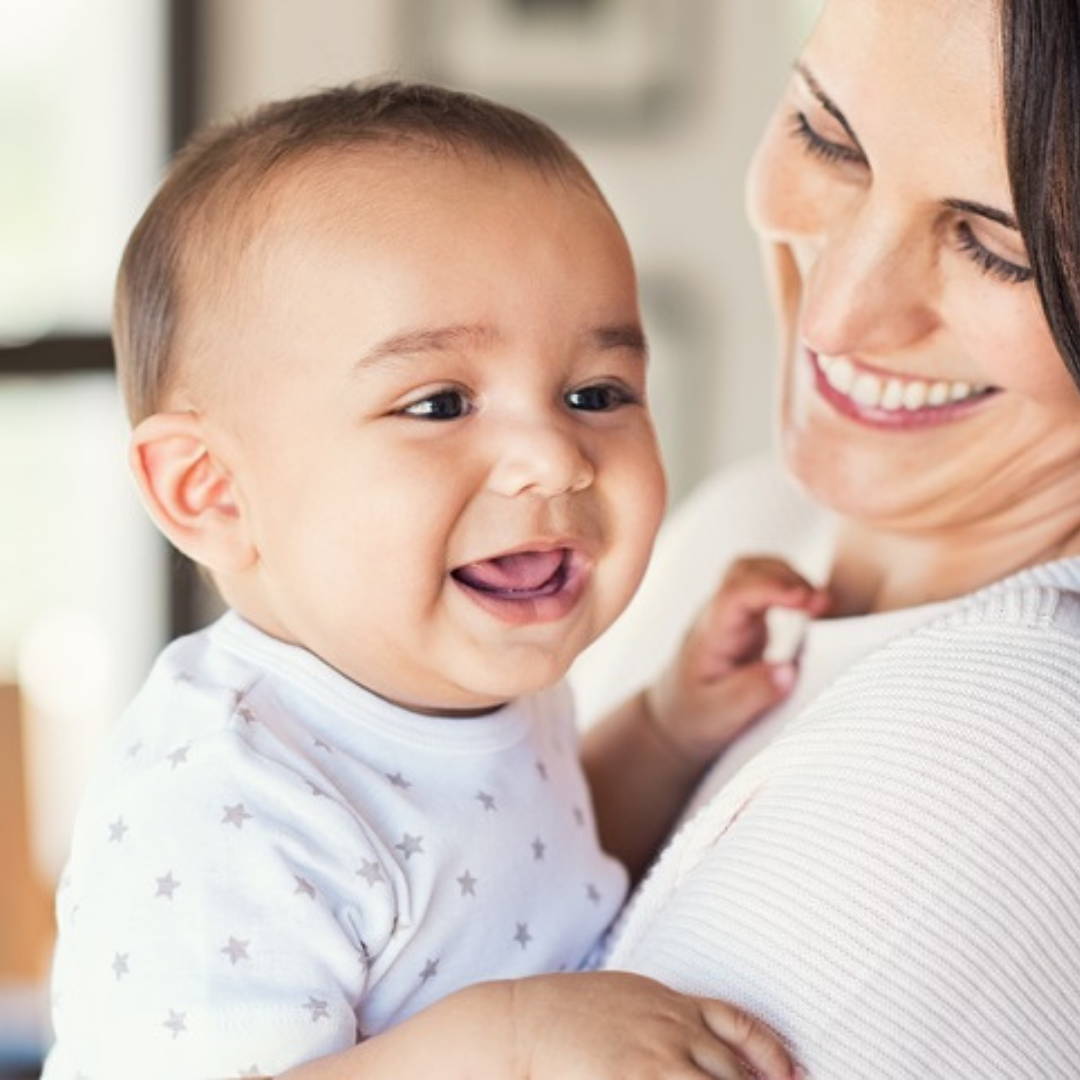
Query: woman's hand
x,y
719,682
616,1026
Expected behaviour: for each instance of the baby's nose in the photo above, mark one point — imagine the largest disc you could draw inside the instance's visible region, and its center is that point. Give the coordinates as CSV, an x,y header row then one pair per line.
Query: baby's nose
x,y
540,459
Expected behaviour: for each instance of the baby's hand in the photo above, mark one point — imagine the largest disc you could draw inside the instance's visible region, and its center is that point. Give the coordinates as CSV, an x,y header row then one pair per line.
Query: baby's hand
x,y
719,682
610,1024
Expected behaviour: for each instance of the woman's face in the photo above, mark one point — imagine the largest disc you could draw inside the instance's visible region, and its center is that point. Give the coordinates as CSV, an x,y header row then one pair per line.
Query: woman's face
x,y
921,389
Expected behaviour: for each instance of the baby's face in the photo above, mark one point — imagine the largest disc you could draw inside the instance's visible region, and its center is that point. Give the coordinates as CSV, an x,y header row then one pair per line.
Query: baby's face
x,y
437,425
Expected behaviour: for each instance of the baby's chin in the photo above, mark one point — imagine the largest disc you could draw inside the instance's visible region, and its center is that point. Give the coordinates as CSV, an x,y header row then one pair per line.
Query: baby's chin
x,y
519,676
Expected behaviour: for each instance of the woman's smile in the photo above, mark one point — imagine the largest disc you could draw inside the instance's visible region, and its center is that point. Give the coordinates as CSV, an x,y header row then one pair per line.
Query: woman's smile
x,y
893,401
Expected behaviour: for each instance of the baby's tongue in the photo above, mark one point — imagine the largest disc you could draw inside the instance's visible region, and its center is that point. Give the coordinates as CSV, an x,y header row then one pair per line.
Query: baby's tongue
x,y
520,572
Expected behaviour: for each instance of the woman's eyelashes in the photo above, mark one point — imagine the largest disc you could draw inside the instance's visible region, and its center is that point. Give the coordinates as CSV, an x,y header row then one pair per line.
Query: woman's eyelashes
x,y
987,261
453,404
840,153
823,148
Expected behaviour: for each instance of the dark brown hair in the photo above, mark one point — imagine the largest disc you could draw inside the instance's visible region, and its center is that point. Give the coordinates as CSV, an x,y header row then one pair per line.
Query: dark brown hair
x,y
1041,68
210,188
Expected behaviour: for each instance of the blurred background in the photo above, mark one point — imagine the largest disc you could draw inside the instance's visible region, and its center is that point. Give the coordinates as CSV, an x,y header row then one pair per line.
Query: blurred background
x,y
664,100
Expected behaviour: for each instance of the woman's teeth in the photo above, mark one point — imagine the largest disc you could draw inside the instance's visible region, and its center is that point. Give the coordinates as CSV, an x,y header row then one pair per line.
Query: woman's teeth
x,y
894,393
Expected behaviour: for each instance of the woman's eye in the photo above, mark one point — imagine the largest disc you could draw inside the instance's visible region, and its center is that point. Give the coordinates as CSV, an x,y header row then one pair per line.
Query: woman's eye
x,y
993,265
602,397
823,148
445,405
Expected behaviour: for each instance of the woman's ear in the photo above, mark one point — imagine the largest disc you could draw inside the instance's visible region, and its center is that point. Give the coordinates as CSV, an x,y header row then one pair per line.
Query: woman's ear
x,y
189,492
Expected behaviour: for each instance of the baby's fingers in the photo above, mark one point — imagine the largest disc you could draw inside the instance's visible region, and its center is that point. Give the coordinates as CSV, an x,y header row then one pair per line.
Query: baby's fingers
x,y
756,1043
734,621
718,1061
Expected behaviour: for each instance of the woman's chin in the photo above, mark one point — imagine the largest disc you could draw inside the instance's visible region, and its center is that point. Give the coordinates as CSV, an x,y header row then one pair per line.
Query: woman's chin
x,y
854,480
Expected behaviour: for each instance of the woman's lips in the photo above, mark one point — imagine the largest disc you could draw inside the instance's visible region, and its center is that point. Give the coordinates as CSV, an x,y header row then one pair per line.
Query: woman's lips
x,y
893,402
517,593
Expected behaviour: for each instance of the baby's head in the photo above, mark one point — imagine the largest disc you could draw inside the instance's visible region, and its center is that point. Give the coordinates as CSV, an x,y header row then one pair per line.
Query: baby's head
x,y
383,355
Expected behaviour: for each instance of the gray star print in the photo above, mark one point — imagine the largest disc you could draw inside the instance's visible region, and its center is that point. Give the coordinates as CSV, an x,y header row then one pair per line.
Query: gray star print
x,y
320,745
592,893
468,884
315,789
371,872
579,815
245,714
410,845
236,950
317,1008
235,815
541,768
303,886
431,969
117,829
399,781
176,1023
523,937
120,965
166,886
488,801
539,847
179,755
134,748
254,1070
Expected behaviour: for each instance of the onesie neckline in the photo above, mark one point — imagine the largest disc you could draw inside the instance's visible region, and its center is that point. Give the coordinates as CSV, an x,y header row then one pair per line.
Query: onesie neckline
x,y
302,668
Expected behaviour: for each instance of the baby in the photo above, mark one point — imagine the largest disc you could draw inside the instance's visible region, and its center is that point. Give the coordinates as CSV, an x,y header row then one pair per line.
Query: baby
x,y
382,351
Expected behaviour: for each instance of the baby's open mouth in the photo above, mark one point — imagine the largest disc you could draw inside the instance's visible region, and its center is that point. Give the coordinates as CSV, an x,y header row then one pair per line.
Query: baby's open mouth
x,y
522,575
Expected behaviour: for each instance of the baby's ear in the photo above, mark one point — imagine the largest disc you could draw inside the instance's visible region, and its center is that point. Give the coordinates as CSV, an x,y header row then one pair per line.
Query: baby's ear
x,y
189,492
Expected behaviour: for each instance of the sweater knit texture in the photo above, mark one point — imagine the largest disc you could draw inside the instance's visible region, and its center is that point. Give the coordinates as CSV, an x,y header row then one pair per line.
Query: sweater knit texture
x,y
893,882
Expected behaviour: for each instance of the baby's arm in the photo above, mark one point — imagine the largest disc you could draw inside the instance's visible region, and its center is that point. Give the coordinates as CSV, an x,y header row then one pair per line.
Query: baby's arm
x,y
644,759
594,1026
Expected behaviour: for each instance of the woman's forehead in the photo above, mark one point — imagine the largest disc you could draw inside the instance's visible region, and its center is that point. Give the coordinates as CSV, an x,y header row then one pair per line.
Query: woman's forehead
x,y
919,82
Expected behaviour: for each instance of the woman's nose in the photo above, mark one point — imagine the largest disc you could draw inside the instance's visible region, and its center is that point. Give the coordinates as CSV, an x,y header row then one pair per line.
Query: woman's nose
x,y
544,459
870,284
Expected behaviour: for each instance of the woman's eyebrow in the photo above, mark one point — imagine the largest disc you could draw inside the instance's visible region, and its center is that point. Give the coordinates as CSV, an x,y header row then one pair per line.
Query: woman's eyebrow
x,y
827,103
968,207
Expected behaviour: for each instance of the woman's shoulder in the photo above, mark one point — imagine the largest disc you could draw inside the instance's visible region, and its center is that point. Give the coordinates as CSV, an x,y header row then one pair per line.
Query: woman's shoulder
x,y
992,686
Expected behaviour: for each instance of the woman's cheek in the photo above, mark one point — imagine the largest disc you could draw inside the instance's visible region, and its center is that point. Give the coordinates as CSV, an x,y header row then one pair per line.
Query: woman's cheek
x,y
1002,331
786,194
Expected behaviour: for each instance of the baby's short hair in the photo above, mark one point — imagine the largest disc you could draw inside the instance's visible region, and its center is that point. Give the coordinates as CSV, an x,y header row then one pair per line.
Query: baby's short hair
x,y
209,188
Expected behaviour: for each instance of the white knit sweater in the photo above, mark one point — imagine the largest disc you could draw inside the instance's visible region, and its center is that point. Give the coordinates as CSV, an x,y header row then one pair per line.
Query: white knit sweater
x,y
893,882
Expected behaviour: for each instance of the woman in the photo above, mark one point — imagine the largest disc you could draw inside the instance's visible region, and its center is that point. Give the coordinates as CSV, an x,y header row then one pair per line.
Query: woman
x,y
887,867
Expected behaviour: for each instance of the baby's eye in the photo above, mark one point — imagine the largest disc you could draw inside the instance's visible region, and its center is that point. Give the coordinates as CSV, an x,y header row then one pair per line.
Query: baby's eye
x,y
445,405
601,397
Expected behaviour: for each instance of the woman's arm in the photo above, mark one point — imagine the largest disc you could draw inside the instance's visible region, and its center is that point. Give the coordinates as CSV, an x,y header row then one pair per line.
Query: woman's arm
x,y
644,759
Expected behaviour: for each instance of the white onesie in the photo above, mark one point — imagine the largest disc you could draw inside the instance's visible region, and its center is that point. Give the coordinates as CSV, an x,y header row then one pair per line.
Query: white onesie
x,y
273,863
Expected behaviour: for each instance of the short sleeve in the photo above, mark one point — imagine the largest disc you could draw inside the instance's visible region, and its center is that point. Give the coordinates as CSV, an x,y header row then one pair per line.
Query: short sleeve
x,y
219,918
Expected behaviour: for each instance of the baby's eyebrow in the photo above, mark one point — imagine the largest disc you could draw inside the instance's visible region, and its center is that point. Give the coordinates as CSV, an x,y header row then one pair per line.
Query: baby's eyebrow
x,y
443,338
412,342
625,336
